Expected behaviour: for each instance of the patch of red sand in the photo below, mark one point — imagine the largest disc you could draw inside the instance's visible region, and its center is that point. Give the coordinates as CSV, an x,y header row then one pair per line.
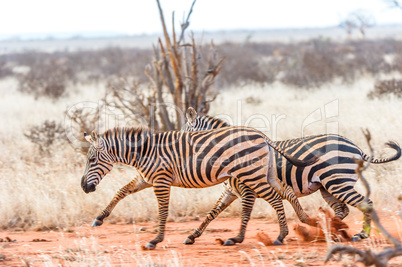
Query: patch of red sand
x,y
219,241
120,244
264,238
336,229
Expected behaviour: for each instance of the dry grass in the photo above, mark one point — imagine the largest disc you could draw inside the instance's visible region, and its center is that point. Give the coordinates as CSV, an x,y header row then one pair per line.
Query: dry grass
x,y
44,191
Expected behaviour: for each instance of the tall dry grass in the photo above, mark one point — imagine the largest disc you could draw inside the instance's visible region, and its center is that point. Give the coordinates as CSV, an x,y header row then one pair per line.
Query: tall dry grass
x,y
43,191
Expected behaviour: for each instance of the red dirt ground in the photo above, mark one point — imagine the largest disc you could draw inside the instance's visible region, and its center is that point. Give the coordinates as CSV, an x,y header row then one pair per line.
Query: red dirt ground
x,y
120,245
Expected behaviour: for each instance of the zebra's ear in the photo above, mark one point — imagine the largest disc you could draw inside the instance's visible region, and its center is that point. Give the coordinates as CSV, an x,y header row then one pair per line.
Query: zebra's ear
x,y
92,138
87,137
191,115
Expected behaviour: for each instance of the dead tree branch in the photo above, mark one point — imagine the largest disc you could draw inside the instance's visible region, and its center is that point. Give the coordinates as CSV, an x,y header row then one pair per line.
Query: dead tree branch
x,y
185,24
177,80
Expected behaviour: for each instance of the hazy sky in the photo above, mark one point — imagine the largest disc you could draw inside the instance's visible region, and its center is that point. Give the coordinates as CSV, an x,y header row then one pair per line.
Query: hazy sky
x,y
141,16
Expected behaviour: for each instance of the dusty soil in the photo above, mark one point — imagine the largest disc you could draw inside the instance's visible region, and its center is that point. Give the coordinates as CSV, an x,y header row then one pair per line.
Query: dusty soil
x,y
120,245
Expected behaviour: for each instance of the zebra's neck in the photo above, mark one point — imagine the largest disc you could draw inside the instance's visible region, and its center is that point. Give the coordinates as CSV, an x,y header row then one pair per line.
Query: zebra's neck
x,y
129,145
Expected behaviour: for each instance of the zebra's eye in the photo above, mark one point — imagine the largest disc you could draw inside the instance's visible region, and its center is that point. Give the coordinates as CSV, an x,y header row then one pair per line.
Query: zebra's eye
x,y
101,146
92,157
92,154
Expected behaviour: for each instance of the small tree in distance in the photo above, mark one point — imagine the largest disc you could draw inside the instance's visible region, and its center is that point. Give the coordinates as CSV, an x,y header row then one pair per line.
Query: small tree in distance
x,y
348,25
393,3
359,19
364,20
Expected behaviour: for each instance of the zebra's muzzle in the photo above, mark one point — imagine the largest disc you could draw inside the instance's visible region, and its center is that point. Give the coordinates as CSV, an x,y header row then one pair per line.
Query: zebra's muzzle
x,y
88,188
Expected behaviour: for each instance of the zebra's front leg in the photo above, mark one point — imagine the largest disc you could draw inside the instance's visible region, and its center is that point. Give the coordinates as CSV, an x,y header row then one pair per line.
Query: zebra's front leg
x,y
247,202
267,192
135,185
224,201
162,193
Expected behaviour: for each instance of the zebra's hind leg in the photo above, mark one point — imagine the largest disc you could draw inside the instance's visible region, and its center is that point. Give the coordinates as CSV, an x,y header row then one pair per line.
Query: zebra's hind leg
x,y
247,202
224,201
134,186
347,194
341,209
162,193
290,195
365,232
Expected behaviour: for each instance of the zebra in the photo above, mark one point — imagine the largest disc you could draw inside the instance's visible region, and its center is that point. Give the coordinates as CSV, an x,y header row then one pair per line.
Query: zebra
x,y
189,160
247,203
333,173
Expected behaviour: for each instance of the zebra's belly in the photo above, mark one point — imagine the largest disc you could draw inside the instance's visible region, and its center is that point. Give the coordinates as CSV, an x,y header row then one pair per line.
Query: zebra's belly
x,y
311,188
185,182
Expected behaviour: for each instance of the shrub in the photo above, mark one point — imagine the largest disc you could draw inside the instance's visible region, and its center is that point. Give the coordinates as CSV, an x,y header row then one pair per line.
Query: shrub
x,y
47,76
4,70
83,120
45,135
397,62
386,87
314,63
103,64
303,64
369,57
246,63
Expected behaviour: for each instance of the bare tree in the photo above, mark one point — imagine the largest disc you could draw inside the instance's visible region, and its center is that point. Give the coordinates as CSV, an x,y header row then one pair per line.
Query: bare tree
x,y
364,20
176,81
393,3
368,257
359,19
349,24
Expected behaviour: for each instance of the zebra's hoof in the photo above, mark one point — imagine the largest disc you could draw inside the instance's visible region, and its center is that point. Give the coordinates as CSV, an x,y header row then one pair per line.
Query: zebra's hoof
x,y
97,223
359,236
188,241
150,246
356,238
278,243
229,242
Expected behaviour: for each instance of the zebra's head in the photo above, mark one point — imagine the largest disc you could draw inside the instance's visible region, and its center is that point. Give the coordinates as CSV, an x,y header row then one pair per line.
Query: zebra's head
x,y
191,123
197,122
99,162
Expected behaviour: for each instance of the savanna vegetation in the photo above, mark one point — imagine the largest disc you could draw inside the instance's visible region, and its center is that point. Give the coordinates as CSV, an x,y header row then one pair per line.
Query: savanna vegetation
x,y
285,89
42,169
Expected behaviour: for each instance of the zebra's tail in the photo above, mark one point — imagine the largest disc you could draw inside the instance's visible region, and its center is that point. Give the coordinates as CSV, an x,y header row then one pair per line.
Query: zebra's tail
x,y
295,161
390,144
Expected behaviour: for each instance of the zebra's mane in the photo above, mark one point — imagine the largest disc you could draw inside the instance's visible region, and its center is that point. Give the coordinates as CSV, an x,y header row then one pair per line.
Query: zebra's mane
x,y
213,120
116,131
